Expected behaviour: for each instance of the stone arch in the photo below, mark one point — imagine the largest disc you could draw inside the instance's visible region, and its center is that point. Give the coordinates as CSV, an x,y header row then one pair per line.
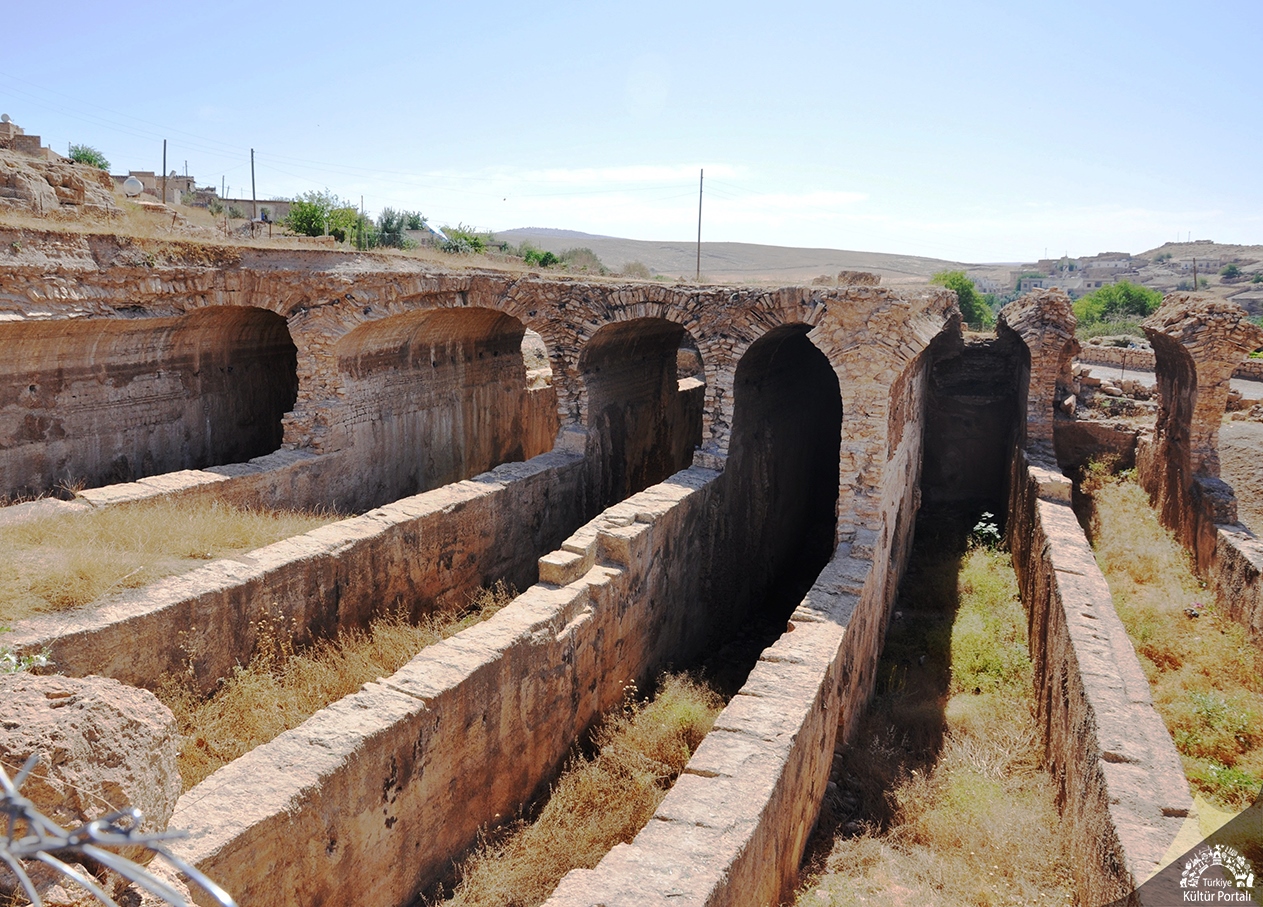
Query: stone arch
x,y
643,420
98,401
436,395
782,472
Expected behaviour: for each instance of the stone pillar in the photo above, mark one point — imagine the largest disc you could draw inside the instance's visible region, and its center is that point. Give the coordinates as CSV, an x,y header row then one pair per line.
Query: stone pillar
x,y
1198,341
1044,321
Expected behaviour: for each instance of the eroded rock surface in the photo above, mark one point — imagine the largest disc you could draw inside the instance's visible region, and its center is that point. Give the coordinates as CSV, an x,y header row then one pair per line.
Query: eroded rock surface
x,y
103,745
35,186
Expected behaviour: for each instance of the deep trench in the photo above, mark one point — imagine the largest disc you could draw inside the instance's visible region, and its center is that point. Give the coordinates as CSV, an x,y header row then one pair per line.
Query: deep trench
x,y
972,420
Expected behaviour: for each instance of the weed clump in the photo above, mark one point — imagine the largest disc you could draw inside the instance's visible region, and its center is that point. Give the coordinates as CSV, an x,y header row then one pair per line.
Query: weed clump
x,y
598,802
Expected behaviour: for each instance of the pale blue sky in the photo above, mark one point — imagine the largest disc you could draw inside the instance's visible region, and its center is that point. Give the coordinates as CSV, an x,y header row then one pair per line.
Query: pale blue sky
x,y
978,131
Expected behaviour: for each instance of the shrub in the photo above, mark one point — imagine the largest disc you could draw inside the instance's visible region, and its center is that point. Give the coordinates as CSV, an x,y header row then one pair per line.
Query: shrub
x,y
215,206
462,240
583,260
86,154
539,258
12,663
636,269
234,211
1257,278
1118,300
415,219
1230,271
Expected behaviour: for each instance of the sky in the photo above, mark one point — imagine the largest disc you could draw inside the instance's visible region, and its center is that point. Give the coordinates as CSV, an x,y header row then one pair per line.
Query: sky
x,y
975,131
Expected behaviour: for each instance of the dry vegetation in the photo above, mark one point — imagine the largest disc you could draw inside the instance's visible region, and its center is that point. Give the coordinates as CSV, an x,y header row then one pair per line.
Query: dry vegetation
x,y
942,799
598,802
64,560
281,688
1206,677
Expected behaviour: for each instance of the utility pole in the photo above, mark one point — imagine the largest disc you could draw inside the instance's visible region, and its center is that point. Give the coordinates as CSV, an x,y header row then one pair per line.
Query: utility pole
x,y
1194,275
164,171
700,176
254,201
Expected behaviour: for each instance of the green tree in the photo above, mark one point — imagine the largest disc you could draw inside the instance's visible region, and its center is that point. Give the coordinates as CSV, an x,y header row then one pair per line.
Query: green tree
x,y
86,154
972,307
1230,271
1118,300
320,213
391,225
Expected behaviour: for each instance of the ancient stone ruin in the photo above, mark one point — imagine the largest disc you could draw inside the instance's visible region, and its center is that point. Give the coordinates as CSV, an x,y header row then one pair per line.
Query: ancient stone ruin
x,y
653,466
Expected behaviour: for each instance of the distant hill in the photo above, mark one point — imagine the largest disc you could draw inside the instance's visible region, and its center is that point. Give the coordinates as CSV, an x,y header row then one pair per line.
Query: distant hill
x,y
731,262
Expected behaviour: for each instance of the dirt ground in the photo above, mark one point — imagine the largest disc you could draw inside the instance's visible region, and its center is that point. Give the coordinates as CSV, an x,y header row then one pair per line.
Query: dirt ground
x,y
1240,444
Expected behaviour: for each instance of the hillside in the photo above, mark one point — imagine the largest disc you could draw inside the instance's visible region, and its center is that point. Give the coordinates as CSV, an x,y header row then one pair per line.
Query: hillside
x,y
731,262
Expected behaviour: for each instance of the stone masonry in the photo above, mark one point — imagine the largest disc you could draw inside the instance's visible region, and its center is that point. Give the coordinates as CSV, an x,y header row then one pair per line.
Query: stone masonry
x,y
1044,320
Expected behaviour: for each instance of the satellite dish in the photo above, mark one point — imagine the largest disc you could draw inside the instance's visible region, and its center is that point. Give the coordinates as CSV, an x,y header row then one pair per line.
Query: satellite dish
x,y
132,187
4,118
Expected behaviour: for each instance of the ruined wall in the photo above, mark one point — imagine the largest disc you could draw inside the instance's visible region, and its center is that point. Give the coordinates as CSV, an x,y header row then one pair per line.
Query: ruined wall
x,y
1198,342
642,425
99,401
435,396
1144,360
382,770
415,555
972,419
1122,789
733,828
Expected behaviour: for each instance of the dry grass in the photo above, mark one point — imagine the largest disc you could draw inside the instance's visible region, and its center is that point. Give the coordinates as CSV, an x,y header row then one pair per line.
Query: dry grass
x,y
597,802
942,799
1206,677
65,560
281,688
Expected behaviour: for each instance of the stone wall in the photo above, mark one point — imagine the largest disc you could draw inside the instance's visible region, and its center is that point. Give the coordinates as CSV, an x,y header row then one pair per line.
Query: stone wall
x,y
380,772
383,789
435,396
642,425
1198,341
325,296
100,401
416,554
972,419
1122,790
733,828
1044,321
